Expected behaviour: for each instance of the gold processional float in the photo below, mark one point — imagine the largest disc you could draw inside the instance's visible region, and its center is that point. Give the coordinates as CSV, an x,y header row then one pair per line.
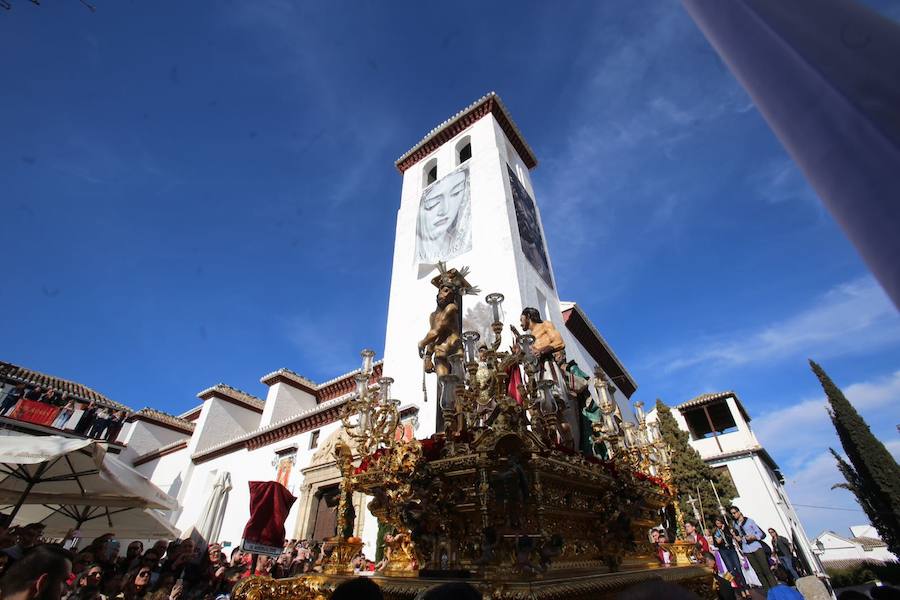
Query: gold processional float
x,y
503,497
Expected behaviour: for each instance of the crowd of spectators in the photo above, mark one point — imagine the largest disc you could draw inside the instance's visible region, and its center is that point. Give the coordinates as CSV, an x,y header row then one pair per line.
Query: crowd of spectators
x,y
176,570
742,554
96,421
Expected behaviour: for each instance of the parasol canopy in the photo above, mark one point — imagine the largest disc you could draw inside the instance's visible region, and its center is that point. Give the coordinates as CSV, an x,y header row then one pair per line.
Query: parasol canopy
x,y
61,471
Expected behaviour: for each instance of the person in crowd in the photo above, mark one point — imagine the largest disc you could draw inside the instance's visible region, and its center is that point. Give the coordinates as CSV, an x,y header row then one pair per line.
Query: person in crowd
x,y
88,582
12,398
723,538
41,574
165,588
178,556
237,562
722,585
692,534
115,425
100,425
82,559
264,566
106,551
301,559
215,566
283,565
781,591
749,535
137,584
781,547
34,394
86,421
132,558
160,548
26,538
361,588
662,553
111,586
65,413
50,397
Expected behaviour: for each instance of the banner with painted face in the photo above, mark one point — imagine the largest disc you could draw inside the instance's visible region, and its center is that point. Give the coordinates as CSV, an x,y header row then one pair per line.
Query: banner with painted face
x,y
444,222
529,228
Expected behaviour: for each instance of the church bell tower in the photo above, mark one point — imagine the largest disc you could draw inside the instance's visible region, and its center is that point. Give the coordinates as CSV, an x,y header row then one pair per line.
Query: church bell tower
x,y
467,200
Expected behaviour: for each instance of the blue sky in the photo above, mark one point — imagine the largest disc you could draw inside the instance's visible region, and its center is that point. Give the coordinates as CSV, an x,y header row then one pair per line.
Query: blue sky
x,y
203,192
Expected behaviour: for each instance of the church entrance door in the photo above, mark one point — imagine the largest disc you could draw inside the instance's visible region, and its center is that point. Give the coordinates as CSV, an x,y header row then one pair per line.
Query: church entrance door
x,y
327,500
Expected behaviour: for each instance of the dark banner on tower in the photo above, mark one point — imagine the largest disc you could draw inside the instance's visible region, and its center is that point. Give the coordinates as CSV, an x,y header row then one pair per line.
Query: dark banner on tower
x,y
529,228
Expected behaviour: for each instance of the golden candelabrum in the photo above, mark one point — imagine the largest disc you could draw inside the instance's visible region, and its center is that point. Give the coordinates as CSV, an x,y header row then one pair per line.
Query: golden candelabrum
x,y
503,497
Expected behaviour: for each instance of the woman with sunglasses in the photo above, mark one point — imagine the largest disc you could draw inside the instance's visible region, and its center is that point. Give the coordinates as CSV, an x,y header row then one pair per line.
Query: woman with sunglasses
x,y
137,584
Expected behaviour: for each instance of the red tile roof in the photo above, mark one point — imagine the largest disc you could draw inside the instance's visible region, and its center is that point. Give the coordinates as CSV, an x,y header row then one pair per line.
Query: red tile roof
x,y
15,374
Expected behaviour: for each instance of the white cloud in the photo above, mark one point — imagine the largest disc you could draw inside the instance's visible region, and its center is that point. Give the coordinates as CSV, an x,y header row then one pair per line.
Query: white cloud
x,y
850,318
622,116
819,506
779,180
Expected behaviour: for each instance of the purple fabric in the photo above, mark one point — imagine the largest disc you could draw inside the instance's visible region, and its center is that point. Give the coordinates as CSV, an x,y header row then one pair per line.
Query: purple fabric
x,y
824,75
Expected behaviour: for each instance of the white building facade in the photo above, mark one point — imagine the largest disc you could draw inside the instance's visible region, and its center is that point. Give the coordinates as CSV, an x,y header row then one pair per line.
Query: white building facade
x,y
863,545
719,429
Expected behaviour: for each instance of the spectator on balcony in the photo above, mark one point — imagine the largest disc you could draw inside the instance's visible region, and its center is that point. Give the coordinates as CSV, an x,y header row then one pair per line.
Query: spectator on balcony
x,y
100,425
87,419
33,394
115,425
65,413
12,398
50,397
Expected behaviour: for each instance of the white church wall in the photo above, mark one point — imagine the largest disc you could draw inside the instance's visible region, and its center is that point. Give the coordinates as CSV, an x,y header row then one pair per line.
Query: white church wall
x,y
756,497
166,471
143,436
243,467
497,261
284,401
221,421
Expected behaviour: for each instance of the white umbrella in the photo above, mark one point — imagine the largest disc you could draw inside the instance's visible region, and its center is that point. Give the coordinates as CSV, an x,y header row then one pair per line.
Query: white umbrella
x,y
129,523
64,471
210,524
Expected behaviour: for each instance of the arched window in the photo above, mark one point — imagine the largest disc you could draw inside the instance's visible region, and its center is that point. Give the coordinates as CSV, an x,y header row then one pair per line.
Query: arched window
x,y
463,150
429,172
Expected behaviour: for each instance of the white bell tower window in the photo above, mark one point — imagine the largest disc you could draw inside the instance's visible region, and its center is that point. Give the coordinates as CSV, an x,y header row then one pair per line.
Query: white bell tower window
x,y
429,172
463,150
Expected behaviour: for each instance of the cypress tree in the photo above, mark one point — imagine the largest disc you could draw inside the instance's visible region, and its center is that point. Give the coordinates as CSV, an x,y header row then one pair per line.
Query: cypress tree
x,y
872,474
690,472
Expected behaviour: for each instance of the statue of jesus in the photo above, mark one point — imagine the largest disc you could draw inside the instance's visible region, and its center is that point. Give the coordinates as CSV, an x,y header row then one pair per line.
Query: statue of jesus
x,y
547,339
442,342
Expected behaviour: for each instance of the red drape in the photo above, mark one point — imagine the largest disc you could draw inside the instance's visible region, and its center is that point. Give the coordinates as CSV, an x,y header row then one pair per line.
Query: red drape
x,y
515,379
35,412
269,505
